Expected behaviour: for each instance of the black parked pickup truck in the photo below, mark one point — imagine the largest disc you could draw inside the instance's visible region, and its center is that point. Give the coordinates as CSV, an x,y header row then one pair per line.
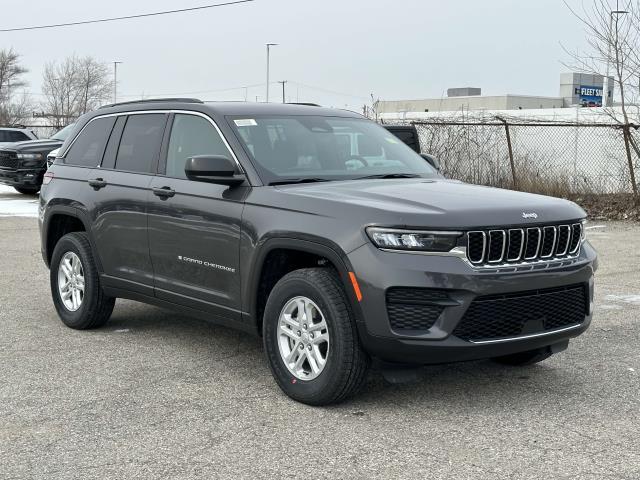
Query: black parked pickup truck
x,y
22,164
314,228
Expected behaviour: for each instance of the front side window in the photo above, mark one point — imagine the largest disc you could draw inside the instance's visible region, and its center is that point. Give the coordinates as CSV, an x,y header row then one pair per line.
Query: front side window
x,y
325,148
140,142
88,148
191,135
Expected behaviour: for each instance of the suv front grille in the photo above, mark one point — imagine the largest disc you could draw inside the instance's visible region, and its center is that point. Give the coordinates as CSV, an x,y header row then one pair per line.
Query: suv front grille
x,y
514,314
518,245
415,308
8,159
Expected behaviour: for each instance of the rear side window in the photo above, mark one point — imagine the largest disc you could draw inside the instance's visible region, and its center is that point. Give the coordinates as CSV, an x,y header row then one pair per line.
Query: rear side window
x,y
140,143
13,136
190,136
88,148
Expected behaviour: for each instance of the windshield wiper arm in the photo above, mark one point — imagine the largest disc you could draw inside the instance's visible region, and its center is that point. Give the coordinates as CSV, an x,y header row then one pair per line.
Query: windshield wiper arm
x,y
288,181
390,175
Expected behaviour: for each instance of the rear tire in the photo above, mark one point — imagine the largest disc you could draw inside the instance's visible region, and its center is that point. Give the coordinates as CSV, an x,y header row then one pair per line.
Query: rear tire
x,y
78,297
27,190
522,359
342,362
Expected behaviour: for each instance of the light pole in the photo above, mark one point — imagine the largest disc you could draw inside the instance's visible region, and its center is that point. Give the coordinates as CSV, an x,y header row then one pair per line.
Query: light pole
x,y
269,45
115,81
283,82
605,93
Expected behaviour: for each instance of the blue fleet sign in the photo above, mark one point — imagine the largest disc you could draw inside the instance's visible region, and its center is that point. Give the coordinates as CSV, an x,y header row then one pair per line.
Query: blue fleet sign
x,y
589,96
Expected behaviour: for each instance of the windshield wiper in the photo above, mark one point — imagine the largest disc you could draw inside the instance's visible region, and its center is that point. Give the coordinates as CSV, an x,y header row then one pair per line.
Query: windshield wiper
x,y
288,181
390,175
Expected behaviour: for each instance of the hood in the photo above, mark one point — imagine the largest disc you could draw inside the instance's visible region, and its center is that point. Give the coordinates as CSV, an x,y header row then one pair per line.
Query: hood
x,y
45,145
436,203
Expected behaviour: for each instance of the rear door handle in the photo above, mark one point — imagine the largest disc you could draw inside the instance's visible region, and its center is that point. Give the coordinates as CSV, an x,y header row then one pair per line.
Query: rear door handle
x,y
97,183
164,192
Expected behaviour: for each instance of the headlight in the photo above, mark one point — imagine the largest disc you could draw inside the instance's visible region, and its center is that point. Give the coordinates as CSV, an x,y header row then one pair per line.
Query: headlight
x,y
30,156
409,240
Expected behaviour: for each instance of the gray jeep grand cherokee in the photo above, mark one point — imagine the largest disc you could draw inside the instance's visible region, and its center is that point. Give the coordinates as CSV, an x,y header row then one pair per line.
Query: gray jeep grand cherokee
x,y
315,228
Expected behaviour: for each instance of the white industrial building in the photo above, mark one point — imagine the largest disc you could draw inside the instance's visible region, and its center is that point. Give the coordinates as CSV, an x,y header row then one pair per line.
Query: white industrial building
x,y
575,89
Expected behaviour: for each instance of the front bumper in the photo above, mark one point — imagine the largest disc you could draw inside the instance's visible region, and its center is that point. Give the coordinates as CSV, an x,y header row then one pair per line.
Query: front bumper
x,y
377,271
28,177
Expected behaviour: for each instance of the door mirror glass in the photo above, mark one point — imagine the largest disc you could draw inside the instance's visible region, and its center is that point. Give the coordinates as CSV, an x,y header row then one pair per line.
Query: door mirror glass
x,y
214,169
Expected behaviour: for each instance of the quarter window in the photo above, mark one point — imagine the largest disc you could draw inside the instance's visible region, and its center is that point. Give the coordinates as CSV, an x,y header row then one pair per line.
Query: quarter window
x,y
88,148
191,135
140,143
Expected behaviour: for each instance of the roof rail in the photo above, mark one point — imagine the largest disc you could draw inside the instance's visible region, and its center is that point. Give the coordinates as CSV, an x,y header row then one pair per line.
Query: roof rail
x,y
154,100
306,104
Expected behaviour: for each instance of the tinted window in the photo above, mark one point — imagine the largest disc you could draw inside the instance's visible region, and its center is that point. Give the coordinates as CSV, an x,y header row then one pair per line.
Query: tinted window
x,y
88,148
331,148
64,133
12,136
140,143
190,136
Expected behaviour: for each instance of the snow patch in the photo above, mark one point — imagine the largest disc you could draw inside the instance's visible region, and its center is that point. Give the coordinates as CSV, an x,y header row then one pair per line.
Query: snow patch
x,y
14,204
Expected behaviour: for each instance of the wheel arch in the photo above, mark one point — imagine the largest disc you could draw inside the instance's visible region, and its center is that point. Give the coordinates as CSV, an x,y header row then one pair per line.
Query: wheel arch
x,y
318,248
60,220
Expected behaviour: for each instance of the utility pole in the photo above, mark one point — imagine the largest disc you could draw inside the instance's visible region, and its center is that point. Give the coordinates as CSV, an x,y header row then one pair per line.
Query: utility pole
x,y
283,96
605,84
269,45
115,81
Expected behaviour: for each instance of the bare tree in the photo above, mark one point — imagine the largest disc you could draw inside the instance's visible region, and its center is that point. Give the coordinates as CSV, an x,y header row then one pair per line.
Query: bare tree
x,y
13,109
74,87
613,36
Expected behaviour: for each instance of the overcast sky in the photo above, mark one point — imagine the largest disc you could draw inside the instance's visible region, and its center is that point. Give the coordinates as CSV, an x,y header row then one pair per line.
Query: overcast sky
x,y
392,48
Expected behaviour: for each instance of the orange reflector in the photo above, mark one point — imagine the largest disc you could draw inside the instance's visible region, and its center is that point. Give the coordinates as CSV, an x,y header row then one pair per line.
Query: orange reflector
x,y
356,287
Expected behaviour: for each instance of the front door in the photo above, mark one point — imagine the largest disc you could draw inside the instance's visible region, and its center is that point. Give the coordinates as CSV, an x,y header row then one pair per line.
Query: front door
x,y
194,227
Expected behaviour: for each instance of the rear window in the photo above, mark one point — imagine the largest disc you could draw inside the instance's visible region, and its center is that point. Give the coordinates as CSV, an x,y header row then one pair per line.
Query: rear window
x,y
13,136
88,148
140,143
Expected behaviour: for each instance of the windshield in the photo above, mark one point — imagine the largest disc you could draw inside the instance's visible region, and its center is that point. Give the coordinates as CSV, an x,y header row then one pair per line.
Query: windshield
x,y
64,133
316,148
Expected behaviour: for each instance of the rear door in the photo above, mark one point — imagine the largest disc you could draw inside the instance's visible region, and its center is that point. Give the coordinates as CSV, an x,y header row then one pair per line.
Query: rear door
x,y
122,189
194,227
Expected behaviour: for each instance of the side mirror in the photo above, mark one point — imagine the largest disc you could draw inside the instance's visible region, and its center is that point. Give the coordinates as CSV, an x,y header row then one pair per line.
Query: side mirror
x,y
213,169
433,161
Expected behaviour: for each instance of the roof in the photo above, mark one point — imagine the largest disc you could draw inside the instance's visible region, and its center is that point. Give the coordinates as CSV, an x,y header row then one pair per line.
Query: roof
x,y
227,108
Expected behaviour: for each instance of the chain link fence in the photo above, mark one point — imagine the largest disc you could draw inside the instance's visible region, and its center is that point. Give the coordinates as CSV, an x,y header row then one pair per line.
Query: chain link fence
x,y
560,159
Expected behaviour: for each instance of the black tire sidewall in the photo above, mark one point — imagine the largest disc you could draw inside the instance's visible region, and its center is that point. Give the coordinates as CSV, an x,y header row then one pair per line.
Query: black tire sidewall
x,y
81,318
323,386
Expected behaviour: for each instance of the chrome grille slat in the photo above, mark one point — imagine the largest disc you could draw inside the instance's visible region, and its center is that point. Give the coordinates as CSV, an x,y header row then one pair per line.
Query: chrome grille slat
x,y
512,233
548,246
576,237
537,241
517,247
500,244
472,239
564,238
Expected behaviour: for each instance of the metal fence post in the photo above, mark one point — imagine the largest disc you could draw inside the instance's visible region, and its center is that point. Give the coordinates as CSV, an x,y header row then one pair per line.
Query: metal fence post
x,y
510,148
626,131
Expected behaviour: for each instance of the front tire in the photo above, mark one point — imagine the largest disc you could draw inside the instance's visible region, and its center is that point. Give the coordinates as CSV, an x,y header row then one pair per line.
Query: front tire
x,y
310,338
75,285
27,190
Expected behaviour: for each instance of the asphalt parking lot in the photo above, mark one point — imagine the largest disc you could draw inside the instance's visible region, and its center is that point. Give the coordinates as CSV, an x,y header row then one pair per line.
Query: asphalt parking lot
x,y
156,394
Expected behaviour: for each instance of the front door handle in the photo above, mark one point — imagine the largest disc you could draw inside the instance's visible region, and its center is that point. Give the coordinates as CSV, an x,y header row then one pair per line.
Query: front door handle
x,y
97,183
164,192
